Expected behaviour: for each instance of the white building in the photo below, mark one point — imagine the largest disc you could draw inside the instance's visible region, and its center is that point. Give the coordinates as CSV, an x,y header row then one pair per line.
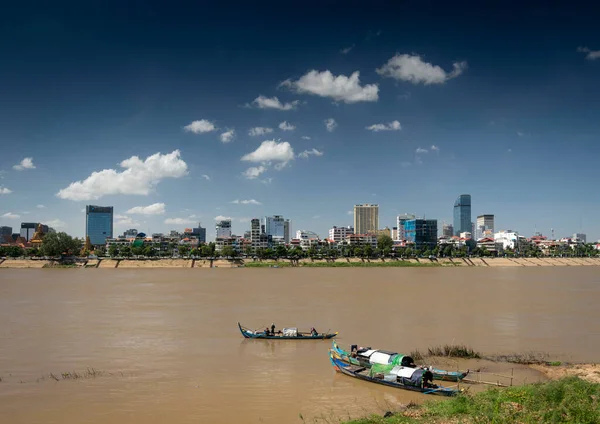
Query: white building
x,y
223,228
400,220
339,234
305,235
510,239
580,237
485,226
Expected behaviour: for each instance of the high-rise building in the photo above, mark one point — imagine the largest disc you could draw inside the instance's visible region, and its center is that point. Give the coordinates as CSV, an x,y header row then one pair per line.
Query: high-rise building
x,y
339,234
580,237
200,233
447,230
223,228
5,231
421,232
485,226
275,227
462,214
394,233
258,238
287,228
131,233
98,224
400,220
28,229
366,219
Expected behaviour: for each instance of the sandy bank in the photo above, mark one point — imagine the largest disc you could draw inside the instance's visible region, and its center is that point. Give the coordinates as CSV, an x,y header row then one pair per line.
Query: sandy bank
x,y
589,372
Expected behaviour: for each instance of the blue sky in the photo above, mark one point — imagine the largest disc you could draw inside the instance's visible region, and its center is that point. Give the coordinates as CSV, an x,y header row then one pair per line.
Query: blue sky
x,y
509,96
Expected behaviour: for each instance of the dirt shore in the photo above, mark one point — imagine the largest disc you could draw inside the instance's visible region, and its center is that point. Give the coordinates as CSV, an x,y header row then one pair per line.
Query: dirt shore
x,y
589,372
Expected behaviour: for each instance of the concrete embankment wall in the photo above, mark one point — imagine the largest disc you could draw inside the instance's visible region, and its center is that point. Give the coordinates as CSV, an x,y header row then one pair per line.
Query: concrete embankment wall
x,y
24,263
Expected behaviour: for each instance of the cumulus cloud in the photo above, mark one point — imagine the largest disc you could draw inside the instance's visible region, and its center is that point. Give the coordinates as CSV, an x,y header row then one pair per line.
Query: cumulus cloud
x,y
153,209
259,131
305,137
246,202
4,190
139,177
222,218
271,151
340,88
413,69
179,221
420,150
434,148
56,223
10,215
206,177
201,126
285,126
254,172
26,163
227,136
330,124
263,102
347,49
392,126
590,54
305,154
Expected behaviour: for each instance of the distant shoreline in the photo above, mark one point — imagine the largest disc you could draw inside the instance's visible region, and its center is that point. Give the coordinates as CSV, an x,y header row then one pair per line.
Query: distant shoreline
x,y
302,263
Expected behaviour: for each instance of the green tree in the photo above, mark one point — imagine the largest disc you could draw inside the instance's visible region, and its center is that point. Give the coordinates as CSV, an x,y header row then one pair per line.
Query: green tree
x,y
33,252
148,251
183,250
297,252
125,251
368,251
137,250
269,253
100,251
206,250
385,242
312,252
113,251
60,244
227,252
280,251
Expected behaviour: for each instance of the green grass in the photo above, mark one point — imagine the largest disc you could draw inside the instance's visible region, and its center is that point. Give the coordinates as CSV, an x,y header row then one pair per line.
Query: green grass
x,y
324,264
569,400
451,351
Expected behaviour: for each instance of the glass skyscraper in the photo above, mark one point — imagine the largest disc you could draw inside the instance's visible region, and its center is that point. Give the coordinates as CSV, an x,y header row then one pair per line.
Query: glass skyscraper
x,y
462,214
98,223
421,232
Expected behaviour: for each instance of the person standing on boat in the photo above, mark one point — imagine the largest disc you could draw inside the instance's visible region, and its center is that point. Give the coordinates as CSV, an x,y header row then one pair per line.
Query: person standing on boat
x,y
272,328
314,332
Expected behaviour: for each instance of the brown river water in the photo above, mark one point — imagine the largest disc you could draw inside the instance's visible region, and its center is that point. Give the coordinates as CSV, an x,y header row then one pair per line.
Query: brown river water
x,y
168,345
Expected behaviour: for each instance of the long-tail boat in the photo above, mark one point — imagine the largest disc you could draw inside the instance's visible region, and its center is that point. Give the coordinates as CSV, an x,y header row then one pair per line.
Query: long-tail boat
x,y
285,334
414,379
367,357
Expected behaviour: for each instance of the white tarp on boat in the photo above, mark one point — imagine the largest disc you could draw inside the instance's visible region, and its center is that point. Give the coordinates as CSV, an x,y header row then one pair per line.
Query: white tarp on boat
x,y
379,358
403,371
290,332
367,353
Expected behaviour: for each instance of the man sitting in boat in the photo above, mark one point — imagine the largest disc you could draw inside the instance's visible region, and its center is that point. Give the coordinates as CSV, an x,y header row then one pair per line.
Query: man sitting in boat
x,y
428,380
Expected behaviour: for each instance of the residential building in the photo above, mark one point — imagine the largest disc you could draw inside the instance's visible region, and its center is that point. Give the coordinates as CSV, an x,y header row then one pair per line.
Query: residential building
x,y
485,226
305,235
400,220
5,231
98,224
394,233
247,234
489,244
223,228
510,239
339,234
361,240
366,219
447,230
421,232
462,214
580,237
200,233
131,233
258,238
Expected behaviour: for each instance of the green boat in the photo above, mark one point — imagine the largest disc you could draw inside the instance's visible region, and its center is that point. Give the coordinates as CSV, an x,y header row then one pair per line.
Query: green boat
x,y
367,357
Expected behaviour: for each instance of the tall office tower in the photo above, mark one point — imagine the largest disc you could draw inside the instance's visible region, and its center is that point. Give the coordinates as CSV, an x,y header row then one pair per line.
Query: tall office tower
x,y
223,228
366,219
200,233
275,227
400,221
462,214
485,226
98,224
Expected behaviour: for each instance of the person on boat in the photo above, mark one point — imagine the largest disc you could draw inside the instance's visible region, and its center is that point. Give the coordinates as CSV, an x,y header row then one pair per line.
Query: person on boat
x,y
267,331
272,328
428,380
313,332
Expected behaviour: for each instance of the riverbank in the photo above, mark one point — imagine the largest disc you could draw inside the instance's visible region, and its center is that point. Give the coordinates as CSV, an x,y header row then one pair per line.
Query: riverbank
x,y
572,395
340,262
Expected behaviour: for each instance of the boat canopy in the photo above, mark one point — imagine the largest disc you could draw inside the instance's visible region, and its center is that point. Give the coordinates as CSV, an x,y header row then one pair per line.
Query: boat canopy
x,y
290,332
383,357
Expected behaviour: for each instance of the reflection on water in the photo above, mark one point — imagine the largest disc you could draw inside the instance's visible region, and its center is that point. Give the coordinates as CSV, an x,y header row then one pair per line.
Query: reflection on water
x,y
170,337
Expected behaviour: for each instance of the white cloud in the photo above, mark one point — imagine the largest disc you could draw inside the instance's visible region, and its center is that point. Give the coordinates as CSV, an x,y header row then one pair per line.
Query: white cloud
x,y
122,220
340,88
179,221
392,126
4,190
227,136
26,163
206,177
271,150
259,131
420,150
222,218
247,202
305,154
139,177
350,212
591,54
520,134
434,148
305,137
201,126
285,126
347,49
254,172
10,215
509,150
412,69
82,210
153,209
263,102
330,124
267,181
56,223
316,216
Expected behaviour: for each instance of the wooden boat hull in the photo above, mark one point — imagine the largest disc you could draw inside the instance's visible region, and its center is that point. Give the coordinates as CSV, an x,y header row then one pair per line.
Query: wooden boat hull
x,y
438,374
355,371
249,334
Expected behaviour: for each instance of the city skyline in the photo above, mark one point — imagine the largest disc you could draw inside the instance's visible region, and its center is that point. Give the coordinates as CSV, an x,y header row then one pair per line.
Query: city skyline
x,y
175,119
